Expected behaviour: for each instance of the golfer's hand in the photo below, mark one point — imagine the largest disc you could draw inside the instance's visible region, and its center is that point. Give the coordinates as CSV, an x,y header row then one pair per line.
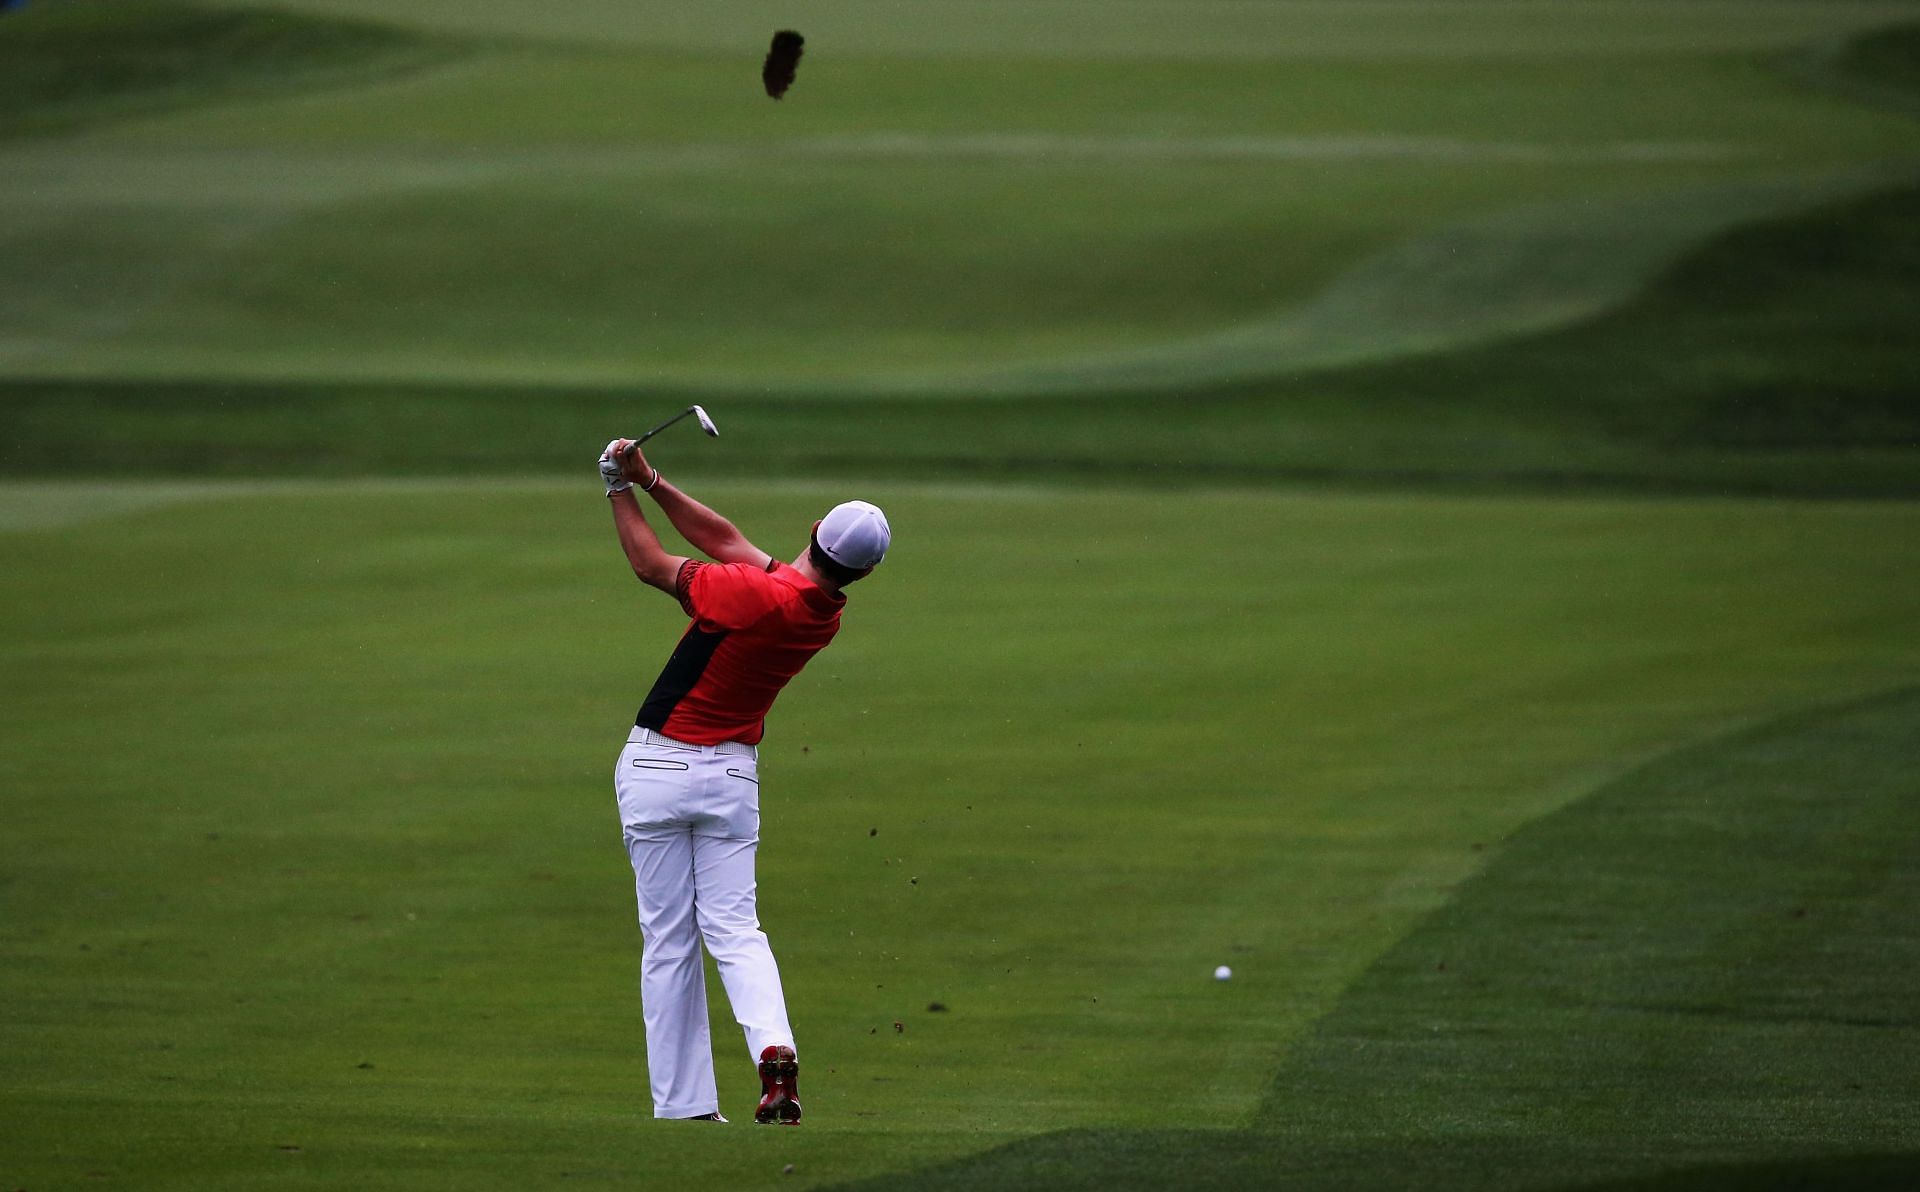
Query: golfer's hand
x,y
610,469
633,462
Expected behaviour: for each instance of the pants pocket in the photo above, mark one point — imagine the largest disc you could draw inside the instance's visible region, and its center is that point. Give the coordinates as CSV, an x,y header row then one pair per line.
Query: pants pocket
x,y
651,790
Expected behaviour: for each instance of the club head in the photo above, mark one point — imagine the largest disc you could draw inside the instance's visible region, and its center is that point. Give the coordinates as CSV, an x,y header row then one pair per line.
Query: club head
x,y
706,423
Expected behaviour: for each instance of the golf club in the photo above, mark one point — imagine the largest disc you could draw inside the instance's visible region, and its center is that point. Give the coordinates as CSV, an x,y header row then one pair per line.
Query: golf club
x,y
706,424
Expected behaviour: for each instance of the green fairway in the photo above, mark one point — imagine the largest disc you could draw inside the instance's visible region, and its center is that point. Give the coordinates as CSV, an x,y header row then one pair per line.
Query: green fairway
x,y
1415,500
303,779
1696,975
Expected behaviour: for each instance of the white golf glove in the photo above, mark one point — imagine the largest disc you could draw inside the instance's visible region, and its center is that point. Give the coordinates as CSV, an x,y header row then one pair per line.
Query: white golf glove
x,y
610,472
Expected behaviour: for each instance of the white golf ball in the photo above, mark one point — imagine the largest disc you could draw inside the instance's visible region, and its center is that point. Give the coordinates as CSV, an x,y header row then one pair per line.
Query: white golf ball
x,y
1222,973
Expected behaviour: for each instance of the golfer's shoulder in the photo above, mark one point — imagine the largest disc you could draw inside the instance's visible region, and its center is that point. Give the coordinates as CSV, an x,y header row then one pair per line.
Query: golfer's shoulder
x,y
736,575
800,598
784,582
733,594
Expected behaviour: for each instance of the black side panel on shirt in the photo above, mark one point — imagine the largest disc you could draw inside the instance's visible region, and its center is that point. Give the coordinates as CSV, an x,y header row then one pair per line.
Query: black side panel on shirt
x,y
682,671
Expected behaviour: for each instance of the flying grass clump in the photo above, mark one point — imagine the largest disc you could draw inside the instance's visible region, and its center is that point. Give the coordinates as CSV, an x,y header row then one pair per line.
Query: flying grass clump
x,y
783,60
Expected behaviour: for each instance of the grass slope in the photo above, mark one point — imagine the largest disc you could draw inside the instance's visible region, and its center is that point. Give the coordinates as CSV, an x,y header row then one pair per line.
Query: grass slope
x,y
1887,58
1698,977
1774,360
78,63
310,843
549,211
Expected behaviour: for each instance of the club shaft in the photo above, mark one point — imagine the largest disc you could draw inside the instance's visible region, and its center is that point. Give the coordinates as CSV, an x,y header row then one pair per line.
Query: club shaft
x,y
664,425
656,430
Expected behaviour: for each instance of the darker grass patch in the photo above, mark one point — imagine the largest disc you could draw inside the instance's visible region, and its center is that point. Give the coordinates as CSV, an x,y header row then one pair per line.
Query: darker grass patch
x,y
1777,358
1092,1160
247,429
1697,978
1846,1173
72,63
1711,955
1786,416
1886,57
1794,335
1880,66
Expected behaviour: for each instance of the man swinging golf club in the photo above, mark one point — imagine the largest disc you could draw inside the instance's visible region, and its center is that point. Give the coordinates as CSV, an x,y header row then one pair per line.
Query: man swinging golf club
x,y
688,780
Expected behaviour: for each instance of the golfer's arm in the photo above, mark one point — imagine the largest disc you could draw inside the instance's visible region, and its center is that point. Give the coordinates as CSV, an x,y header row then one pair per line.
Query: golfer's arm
x,y
713,535
651,563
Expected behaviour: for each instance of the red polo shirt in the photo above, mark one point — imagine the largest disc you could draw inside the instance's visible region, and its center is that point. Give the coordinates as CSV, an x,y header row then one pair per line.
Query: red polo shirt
x,y
752,631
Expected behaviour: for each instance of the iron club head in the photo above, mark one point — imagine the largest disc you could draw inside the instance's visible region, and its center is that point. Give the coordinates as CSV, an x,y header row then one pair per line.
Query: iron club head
x,y
706,424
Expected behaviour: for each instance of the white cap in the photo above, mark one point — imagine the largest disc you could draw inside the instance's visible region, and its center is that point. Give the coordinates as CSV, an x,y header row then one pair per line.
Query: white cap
x,y
854,534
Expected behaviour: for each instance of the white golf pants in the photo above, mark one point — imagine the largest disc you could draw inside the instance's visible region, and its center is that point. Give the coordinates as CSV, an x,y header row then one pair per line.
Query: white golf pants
x,y
691,818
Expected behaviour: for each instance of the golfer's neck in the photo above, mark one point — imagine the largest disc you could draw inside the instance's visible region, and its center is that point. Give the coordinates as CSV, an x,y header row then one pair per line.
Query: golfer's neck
x,y
804,566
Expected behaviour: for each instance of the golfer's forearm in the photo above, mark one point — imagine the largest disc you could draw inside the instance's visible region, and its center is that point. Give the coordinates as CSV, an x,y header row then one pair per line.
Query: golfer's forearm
x,y
644,553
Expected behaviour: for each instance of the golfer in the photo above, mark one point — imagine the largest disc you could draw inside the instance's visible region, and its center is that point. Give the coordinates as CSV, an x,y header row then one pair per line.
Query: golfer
x,y
688,781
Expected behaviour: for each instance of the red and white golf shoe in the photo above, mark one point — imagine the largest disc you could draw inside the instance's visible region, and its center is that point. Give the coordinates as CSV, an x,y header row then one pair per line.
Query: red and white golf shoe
x,y
779,1087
